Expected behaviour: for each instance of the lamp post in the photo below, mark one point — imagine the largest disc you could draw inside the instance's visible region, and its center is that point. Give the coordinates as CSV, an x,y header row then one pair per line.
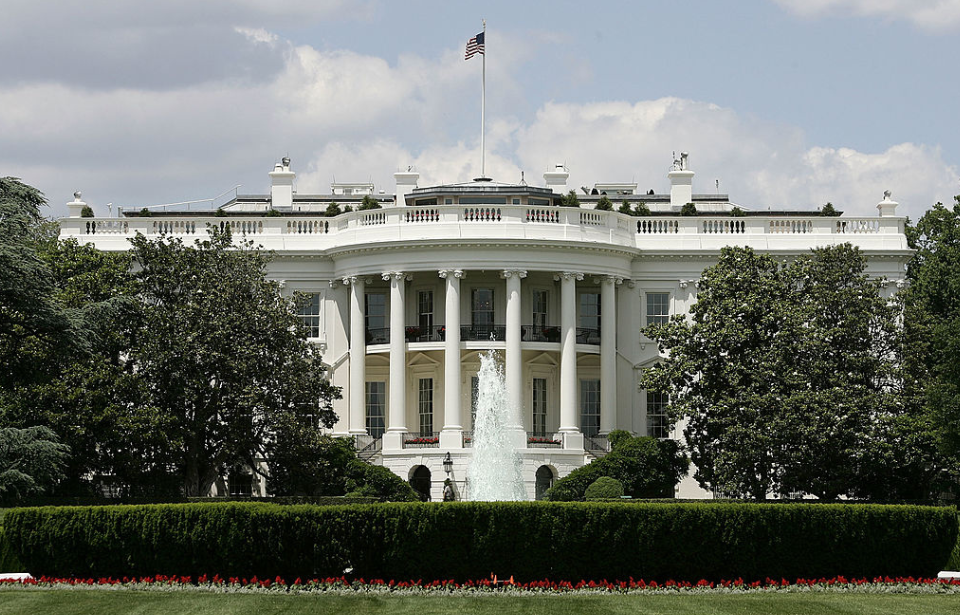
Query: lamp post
x,y
447,464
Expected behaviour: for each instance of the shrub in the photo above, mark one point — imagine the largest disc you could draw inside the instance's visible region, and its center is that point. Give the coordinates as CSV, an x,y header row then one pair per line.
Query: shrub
x,y
604,204
468,540
8,559
829,210
570,200
625,207
688,210
642,210
86,212
333,209
604,488
647,468
364,479
737,212
368,203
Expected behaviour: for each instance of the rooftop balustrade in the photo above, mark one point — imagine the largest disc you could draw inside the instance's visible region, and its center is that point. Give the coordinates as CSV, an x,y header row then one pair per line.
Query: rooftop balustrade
x,y
494,222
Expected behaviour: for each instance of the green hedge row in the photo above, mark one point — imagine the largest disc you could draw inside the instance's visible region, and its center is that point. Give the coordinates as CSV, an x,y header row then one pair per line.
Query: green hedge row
x,y
530,540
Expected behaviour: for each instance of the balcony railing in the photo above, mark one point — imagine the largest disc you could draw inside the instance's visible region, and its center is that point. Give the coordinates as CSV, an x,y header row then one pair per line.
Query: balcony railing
x,y
484,333
542,440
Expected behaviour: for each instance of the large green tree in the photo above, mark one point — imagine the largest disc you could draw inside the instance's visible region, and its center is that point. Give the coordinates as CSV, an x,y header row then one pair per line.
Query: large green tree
x,y
932,320
222,355
31,461
785,374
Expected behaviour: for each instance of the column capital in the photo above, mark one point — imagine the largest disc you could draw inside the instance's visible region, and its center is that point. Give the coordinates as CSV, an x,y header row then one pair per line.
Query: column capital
x,y
348,280
509,273
616,280
456,273
568,275
386,276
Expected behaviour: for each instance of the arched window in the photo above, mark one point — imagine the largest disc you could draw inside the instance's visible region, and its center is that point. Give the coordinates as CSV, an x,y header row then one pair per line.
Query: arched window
x,y
420,481
545,478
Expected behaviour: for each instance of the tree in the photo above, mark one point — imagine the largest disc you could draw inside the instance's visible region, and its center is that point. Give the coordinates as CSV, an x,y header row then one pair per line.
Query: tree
x,y
932,321
36,331
625,208
31,461
333,210
783,373
689,209
368,203
829,211
222,355
570,200
604,204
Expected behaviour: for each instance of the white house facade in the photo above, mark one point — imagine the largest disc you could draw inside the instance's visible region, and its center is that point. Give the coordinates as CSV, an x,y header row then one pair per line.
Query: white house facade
x,y
402,300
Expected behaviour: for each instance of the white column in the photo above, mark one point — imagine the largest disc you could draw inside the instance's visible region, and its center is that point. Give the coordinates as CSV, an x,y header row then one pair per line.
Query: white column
x,y
608,353
452,434
396,419
513,373
568,359
358,355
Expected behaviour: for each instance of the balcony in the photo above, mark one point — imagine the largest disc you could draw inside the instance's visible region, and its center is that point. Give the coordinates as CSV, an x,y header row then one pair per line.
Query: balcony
x,y
421,440
484,333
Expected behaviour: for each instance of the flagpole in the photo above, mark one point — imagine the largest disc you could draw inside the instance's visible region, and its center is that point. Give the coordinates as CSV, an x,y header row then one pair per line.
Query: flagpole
x,y
483,105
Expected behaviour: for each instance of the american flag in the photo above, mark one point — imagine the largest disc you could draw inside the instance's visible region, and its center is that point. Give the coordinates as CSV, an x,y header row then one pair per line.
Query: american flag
x,y
474,46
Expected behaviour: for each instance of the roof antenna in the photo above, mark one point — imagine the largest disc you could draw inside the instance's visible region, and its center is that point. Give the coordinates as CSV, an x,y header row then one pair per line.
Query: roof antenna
x,y
523,182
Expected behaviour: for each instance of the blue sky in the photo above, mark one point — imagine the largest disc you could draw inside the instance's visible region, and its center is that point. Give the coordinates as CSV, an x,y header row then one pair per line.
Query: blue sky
x,y
788,103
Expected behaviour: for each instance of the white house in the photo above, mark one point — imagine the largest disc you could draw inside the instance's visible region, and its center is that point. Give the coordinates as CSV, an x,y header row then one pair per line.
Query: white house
x,y
405,298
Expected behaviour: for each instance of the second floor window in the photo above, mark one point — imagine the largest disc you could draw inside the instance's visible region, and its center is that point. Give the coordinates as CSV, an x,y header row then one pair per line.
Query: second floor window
x,y
658,425
425,311
482,307
309,313
540,299
376,310
658,308
590,311
540,407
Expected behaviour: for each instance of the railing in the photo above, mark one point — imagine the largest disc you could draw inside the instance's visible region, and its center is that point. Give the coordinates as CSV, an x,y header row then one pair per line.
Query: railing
x,y
416,333
540,333
587,335
378,336
421,440
547,222
597,444
491,333
468,439
367,446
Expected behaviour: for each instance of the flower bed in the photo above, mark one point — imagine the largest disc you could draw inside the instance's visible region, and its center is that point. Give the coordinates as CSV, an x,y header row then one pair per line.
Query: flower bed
x,y
343,585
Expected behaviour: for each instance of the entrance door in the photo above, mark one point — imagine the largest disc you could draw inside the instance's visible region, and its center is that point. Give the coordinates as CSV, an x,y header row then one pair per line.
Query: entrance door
x,y
420,481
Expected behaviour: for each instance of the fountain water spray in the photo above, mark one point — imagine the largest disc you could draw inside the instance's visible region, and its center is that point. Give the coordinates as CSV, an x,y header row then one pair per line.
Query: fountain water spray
x,y
495,474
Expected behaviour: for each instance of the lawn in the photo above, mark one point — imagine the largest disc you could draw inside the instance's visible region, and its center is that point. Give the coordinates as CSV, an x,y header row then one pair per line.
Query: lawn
x,y
105,602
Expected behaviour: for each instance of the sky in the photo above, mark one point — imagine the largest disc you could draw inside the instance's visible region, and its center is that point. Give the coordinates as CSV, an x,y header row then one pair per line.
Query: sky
x,y
785,103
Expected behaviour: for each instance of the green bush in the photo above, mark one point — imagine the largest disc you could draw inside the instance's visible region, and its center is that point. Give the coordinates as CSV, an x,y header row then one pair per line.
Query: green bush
x,y
8,559
647,467
689,209
469,540
604,488
364,479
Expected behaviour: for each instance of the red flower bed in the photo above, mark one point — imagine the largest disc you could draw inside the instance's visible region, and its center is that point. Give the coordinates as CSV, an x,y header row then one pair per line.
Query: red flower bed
x,y
878,584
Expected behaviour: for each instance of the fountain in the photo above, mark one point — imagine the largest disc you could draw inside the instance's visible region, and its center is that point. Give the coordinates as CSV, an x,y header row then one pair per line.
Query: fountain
x,y
495,472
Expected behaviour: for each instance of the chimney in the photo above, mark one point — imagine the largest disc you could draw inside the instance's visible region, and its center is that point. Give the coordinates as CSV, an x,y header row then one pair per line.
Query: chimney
x,y
406,183
76,206
681,183
557,179
887,206
281,185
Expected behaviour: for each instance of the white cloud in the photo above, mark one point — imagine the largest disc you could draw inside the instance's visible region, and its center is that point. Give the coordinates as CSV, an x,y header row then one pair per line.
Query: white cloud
x,y
936,15
357,117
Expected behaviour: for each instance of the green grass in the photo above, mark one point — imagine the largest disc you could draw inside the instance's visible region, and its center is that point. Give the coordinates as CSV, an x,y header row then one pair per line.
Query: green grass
x,y
101,602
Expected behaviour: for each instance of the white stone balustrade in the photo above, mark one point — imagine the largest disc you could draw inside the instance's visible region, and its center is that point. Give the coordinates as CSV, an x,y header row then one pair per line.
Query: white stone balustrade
x,y
500,222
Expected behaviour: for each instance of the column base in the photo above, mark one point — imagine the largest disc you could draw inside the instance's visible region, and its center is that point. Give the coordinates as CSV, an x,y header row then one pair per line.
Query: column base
x,y
451,438
572,440
393,440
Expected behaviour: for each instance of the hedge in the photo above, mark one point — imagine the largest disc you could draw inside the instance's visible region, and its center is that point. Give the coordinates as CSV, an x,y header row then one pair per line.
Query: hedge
x,y
470,540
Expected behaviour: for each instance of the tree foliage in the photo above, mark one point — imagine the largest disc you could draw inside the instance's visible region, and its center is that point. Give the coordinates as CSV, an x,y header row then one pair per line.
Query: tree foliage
x,y
604,204
932,319
570,199
786,376
222,355
31,461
